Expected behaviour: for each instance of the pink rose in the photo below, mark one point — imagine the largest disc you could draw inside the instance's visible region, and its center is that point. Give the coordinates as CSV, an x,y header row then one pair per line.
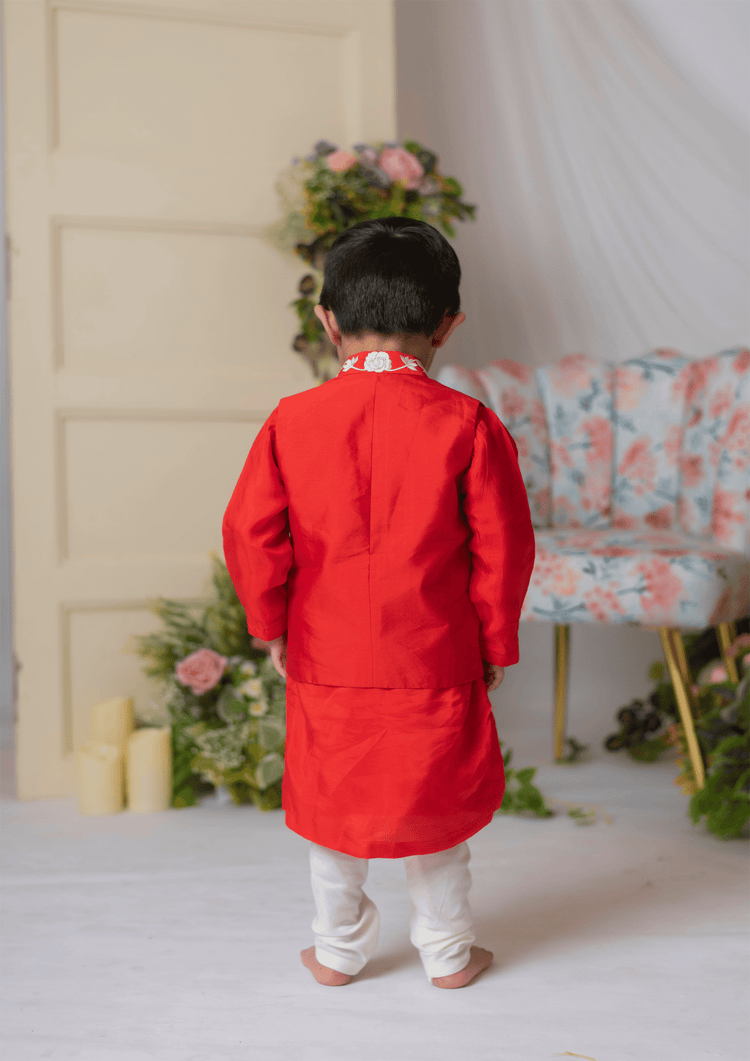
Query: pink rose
x,y
201,670
717,675
400,165
743,641
339,161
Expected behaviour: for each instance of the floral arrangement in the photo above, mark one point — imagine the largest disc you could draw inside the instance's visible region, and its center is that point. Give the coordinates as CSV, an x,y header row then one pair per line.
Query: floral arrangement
x,y
722,724
332,189
225,701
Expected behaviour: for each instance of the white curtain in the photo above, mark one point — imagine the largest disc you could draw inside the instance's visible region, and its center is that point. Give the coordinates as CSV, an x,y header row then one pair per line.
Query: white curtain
x,y
612,190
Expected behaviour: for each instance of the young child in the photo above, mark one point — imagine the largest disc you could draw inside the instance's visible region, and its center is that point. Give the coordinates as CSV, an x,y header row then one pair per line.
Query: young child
x,y
379,539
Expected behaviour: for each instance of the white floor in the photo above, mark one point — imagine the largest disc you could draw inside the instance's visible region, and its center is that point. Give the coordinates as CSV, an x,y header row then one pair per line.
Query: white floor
x,y
175,937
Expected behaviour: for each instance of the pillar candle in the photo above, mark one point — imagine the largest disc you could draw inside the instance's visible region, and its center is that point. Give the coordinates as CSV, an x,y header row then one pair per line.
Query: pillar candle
x,y
100,780
149,769
112,721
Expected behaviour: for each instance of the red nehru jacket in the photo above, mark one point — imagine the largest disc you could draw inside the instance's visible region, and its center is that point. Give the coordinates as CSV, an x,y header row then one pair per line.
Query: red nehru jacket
x,y
381,519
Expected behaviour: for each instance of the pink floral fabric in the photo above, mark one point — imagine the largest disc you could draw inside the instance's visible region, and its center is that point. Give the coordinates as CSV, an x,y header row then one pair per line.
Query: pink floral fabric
x,y
715,459
646,577
577,397
650,398
513,393
660,442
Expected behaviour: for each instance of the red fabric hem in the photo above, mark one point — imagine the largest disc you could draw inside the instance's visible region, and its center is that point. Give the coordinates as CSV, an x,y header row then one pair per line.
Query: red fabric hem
x,y
385,849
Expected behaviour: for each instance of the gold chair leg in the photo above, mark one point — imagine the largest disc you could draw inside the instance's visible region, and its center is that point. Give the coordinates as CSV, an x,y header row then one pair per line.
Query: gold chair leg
x,y
682,663
725,635
674,653
562,645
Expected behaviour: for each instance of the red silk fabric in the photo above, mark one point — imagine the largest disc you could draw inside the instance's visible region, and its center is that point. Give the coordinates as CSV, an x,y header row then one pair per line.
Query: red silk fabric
x,y
382,521
386,773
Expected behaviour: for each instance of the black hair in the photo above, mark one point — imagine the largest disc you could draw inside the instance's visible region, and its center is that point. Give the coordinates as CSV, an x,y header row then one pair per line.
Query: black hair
x,y
393,276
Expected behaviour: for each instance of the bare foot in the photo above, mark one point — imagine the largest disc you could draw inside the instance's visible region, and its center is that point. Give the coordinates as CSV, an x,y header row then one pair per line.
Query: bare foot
x,y
324,975
479,960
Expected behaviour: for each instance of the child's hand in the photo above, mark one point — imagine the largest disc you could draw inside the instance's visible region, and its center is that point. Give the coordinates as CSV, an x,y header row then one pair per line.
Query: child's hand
x,y
278,654
493,675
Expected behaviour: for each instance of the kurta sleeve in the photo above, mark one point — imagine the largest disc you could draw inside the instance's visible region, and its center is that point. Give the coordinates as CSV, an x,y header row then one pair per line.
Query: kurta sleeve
x,y
502,538
257,546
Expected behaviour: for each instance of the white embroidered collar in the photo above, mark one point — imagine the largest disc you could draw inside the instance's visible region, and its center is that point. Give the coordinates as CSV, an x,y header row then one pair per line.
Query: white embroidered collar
x,y
382,361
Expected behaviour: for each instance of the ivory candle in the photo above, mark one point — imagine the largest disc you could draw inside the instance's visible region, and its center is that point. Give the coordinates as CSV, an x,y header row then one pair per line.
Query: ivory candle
x,y
100,780
112,721
149,769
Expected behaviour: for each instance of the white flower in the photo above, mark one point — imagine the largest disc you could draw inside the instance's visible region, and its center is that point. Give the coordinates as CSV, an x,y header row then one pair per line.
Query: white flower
x,y
258,708
377,361
248,668
349,363
252,688
410,362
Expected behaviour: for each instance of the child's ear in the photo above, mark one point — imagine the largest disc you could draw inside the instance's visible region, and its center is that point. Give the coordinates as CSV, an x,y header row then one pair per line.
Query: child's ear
x,y
327,319
446,328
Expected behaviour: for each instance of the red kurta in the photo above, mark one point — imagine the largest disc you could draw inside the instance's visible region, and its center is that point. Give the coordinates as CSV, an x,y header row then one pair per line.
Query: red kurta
x,y
382,521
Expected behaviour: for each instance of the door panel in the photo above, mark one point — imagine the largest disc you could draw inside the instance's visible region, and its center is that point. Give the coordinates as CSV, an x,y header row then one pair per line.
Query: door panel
x,y
149,321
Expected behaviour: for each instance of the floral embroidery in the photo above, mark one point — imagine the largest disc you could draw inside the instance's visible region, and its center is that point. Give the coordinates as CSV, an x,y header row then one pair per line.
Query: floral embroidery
x,y
377,361
381,361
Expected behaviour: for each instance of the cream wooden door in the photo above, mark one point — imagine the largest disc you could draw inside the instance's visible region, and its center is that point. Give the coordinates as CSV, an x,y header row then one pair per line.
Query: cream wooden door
x,y
149,322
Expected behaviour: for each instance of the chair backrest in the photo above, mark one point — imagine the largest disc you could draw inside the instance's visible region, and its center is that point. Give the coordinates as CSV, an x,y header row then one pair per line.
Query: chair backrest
x,y
658,441
577,397
651,396
715,463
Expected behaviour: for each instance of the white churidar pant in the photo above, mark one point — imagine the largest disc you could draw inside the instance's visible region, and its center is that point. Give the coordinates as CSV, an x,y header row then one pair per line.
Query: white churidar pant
x,y
347,921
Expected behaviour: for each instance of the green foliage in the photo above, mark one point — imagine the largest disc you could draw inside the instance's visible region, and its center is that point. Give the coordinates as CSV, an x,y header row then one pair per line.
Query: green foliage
x,y
724,735
581,816
575,751
722,725
521,794
234,733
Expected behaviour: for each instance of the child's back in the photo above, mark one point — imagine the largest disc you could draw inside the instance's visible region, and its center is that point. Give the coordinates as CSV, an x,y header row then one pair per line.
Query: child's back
x,y
387,482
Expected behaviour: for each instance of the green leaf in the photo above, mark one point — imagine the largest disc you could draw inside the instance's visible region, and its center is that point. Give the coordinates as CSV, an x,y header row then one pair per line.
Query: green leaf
x,y
271,733
656,671
647,751
269,770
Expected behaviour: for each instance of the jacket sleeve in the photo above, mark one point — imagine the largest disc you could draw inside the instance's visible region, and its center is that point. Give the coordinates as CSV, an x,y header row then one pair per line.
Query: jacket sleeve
x,y
501,539
257,546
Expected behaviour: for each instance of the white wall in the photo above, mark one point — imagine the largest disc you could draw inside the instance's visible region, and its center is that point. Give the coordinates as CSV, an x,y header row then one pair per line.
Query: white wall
x,y
447,86
614,213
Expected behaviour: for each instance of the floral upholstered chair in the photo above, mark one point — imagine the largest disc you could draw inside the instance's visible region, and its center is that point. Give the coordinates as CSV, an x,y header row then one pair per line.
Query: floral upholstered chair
x,y
637,477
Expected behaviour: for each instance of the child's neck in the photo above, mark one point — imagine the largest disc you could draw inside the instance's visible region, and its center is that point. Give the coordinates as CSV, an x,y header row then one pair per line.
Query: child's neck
x,y
419,346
